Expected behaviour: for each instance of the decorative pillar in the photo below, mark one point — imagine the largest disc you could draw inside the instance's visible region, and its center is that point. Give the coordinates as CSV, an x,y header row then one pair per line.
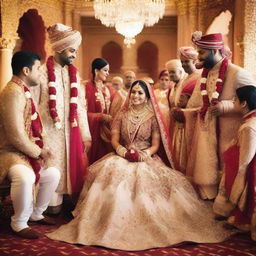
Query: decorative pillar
x,y
8,36
193,17
6,47
77,26
202,9
249,42
183,37
130,58
68,10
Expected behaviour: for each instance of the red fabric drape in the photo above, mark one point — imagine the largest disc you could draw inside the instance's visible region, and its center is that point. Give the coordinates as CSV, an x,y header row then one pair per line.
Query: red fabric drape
x,y
99,147
231,163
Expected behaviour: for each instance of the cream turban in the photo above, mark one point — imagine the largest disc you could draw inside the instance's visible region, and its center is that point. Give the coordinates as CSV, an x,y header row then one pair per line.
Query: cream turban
x,y
62,37
188,52
173,64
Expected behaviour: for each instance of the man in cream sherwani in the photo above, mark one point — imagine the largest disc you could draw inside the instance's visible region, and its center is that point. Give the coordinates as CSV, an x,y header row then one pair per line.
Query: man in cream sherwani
x,y
65,43
212,127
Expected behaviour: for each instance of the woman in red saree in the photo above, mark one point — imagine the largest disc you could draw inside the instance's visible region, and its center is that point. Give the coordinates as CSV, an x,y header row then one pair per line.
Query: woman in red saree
x,y
103,102
237,191
131,199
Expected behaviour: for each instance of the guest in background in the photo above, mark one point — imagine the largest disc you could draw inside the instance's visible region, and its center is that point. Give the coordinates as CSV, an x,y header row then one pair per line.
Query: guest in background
x,y
118,84
162,96
176,75
129,78
103,102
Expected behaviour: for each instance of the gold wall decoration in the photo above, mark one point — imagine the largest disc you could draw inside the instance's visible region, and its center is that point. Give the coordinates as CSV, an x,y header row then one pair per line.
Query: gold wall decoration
x,y
8,43
249,42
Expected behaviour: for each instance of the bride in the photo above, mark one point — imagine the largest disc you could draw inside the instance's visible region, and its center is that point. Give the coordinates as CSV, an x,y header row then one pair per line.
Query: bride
x,y
131,200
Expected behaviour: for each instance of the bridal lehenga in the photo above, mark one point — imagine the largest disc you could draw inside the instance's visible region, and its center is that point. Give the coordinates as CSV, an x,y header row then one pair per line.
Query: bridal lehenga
x,y
139,205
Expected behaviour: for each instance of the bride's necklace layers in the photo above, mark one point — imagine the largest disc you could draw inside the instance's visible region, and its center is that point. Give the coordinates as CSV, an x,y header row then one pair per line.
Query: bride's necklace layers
x,y
138,115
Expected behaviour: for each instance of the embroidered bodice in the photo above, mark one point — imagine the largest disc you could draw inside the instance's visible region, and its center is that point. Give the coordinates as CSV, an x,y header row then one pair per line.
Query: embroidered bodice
x,y
132,135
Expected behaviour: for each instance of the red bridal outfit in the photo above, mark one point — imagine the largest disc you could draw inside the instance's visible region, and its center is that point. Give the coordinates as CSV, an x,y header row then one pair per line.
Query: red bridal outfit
x,y
139,205
101,99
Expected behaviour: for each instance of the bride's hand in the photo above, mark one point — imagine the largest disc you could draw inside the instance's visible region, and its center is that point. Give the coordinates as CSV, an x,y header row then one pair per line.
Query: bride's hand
x,y
132,155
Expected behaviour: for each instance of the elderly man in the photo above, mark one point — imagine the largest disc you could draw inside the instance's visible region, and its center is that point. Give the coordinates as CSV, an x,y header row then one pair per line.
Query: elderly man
x,y
188,57
62,106
23,154
118,84
176,74
212,122
129,78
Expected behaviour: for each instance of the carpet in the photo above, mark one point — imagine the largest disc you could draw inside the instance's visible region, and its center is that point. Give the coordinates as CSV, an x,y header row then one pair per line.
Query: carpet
x,y
238,245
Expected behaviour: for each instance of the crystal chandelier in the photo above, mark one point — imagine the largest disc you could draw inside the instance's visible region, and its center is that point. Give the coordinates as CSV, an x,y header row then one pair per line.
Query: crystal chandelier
x,y
129,16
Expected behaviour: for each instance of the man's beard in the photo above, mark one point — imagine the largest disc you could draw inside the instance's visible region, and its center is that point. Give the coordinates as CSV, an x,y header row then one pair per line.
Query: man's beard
x,y
209,62
68,61
206,63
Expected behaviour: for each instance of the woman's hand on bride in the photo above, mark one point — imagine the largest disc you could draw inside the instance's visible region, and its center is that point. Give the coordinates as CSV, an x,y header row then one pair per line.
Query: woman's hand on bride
x,y
106,118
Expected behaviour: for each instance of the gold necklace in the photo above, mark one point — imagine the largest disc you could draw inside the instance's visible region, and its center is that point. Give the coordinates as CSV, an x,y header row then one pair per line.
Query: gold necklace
x,y
137,116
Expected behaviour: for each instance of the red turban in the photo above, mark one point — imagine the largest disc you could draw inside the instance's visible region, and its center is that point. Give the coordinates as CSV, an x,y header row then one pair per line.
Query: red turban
x,y
211,41
63,37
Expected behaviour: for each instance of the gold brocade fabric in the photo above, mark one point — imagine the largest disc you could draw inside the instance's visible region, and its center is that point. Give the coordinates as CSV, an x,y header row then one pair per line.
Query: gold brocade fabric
x,y
138,205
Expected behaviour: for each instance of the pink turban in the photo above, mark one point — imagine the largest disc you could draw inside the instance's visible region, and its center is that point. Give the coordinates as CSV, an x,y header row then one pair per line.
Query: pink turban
x,y
211,41
63,37
188,52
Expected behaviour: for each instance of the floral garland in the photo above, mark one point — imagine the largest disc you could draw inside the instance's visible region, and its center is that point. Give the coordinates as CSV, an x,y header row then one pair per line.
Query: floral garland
x,y
52,94
218,88
36,131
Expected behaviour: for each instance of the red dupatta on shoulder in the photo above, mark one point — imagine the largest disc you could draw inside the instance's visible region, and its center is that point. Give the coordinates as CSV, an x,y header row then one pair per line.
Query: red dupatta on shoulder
x,y
165,150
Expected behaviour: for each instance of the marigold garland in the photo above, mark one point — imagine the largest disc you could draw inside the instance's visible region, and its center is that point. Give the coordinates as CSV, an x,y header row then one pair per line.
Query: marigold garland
x,y
53,94
218,89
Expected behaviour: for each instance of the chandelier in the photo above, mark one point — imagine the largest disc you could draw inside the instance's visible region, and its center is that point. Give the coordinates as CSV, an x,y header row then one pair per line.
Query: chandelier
x,y
129,16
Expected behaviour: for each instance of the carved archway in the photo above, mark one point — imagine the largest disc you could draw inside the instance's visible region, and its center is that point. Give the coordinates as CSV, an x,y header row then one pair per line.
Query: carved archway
x,y
113,53
147,59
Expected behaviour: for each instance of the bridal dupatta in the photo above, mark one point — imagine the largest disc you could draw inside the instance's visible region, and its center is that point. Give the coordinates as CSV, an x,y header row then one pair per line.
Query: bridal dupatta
x,y
165,150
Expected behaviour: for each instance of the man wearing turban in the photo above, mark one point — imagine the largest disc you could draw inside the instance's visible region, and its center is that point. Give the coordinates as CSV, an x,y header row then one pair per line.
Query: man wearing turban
x,y
211,122
188,58
176,74
62,106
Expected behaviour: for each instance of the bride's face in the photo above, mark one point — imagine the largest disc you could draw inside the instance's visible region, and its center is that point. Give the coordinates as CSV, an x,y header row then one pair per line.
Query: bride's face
x,y
138,95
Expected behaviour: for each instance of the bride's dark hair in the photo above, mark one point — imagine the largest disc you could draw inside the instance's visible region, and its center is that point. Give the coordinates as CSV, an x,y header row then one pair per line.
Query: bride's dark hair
x,y
143,86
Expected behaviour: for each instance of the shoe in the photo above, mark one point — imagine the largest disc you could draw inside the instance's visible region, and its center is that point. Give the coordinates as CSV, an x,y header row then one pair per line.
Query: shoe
x,y
45,221
27,233
53,210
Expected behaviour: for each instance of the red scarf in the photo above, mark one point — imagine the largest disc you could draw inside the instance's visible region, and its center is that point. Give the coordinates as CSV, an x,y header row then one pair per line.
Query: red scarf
x,y
248,116
78,160
218,90
36,132
52,93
